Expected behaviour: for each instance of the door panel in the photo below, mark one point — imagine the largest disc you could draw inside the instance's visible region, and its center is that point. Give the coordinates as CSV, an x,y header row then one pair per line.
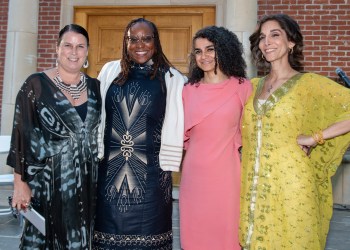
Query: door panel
x,y
176,32
106,36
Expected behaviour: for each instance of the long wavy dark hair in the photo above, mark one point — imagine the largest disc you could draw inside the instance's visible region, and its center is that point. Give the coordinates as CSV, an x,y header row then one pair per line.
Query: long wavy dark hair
x,y
228,54
160,61
292,29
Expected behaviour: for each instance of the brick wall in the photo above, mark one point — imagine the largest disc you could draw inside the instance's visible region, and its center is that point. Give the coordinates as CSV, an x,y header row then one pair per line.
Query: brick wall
x,y
49,26
325,25
3,35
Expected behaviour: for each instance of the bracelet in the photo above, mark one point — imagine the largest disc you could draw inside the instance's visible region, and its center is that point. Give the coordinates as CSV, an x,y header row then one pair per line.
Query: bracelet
x,y
318,137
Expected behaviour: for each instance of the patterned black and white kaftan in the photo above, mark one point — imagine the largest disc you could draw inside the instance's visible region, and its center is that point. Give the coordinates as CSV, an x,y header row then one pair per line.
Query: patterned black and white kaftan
x,y
134,200
55,151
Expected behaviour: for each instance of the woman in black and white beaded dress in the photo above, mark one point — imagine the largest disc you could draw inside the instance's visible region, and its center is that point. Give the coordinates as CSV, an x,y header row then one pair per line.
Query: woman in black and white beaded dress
x,y
141,138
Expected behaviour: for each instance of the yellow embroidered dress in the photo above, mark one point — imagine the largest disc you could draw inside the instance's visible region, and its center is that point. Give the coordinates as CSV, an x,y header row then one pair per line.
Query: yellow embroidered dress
x,y
286,197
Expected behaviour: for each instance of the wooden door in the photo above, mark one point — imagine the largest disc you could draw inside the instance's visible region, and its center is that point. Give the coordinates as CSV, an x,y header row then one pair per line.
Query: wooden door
x,y
176,25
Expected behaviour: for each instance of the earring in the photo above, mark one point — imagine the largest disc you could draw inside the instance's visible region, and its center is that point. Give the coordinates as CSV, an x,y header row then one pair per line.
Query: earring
x,y
291,50
262,56
56,63
86,64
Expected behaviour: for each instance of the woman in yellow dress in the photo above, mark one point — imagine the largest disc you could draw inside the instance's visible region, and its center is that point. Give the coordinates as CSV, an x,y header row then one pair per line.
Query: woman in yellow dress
x,y
295,132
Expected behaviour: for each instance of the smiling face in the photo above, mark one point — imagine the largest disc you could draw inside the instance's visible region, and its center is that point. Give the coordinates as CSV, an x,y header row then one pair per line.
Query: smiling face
x,y
140,43
274,43
204,53
72,51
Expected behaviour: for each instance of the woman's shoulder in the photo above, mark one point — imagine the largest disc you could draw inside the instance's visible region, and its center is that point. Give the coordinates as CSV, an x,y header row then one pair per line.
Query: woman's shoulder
x,y
242,86
315,76
241,82
109,72
188,86
175,77
35,79
34,83
175,72
110,65
190,89
315,83
92,80
36,76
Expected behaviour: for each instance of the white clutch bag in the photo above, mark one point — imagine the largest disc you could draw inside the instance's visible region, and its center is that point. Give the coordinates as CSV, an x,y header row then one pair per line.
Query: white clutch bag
x,y
35,218
30,214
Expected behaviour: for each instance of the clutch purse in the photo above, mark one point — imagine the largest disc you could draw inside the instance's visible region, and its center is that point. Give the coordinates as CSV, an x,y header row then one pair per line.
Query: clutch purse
x,y
30,214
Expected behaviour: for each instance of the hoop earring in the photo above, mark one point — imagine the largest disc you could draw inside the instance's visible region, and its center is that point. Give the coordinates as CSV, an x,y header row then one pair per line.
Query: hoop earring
x,y
86,64
291,50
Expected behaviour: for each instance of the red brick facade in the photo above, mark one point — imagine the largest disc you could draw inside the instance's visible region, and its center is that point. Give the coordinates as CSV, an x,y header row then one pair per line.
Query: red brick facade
x,y
49,26
325,26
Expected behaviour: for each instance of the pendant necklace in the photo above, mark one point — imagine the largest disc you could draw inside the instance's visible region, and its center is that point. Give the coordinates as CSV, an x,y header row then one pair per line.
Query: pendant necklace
x,y
74,90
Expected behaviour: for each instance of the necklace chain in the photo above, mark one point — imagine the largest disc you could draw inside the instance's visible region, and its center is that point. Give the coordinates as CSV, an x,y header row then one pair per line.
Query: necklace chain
x,y
269,88
74,90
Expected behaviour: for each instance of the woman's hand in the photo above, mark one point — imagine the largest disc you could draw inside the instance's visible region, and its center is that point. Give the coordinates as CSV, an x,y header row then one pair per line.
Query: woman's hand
x,y
306,143
21,193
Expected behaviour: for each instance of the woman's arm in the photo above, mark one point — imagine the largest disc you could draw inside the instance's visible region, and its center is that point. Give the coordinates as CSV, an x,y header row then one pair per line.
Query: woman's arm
x,y
21,193
306,142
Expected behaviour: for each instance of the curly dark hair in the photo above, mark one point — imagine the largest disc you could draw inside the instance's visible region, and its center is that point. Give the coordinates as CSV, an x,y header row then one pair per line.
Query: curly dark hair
x,y
228,54
160,61
292,29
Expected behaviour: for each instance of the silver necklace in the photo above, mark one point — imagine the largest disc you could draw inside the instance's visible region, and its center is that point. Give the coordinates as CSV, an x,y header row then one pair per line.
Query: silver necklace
x,y
74,90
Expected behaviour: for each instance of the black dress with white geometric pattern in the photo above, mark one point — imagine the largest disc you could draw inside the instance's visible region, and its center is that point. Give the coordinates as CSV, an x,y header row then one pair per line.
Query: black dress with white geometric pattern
x,y
134,201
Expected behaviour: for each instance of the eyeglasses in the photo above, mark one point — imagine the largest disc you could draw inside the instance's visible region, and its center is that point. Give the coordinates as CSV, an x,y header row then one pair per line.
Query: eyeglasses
x,y
144,39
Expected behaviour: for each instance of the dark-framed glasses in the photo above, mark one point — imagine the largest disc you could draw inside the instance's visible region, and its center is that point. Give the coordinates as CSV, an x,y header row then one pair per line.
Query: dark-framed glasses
x,y
144,39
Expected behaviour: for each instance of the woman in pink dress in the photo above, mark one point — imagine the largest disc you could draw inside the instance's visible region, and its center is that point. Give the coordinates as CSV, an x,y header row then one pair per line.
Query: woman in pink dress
x,y
213,104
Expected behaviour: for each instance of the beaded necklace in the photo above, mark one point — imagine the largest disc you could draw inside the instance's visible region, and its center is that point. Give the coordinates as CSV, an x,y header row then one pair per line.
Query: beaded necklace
x,y
74,90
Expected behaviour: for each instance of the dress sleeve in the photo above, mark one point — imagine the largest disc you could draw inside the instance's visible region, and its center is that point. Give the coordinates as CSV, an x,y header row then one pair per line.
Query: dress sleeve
x,y
171,149
25,125
330,104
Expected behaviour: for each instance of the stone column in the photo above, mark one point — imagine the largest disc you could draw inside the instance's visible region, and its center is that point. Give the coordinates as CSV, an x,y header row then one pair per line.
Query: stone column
x,y
21,54
21,59
241,18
